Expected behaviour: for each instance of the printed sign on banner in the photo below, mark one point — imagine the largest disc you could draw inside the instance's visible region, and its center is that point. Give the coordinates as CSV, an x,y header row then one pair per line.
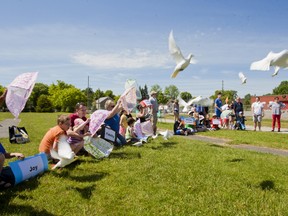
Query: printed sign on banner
x,y
97,147
189,120
215,121
108,134
29,167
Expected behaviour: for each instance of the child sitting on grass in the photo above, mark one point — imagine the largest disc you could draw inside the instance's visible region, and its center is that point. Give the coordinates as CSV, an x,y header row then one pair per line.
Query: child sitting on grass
x,y
51,138
215,122
240,122
81,127
179,127
130,135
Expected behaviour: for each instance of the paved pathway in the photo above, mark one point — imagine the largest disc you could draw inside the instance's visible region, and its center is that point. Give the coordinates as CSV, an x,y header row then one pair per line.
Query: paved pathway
x,y
4,126
223,142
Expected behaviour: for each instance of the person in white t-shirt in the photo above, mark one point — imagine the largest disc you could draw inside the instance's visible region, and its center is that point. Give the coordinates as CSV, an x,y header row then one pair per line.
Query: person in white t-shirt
x,y
257,112
276,108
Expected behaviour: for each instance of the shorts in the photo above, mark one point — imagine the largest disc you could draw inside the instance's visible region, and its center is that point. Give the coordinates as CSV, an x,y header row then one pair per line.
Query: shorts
x,y
257,118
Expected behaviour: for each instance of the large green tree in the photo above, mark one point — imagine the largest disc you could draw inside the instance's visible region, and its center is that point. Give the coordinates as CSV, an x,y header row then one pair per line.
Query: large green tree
x,y
186,96
109,93
281,89
171,92
156,88
98,94
161,98
64,97
144,92
38,90
230,94
44,104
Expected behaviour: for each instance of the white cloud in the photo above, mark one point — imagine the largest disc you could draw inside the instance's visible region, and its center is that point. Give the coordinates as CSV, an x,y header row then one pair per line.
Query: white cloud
x,y
128,59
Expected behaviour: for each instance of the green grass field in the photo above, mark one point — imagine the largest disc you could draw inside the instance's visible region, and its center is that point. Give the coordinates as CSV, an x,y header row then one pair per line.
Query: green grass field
x,y
178,176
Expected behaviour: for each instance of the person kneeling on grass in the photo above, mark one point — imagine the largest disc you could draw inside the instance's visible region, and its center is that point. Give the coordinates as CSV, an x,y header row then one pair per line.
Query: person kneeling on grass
x,y
51,138
7,178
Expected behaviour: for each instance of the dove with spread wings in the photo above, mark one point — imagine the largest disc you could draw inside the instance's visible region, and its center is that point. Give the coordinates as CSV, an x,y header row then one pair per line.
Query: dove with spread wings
x,y
181,62
277,60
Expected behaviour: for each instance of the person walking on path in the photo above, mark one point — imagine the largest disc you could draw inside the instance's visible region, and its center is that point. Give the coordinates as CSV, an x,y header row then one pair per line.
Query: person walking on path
x,y
276,107
257,113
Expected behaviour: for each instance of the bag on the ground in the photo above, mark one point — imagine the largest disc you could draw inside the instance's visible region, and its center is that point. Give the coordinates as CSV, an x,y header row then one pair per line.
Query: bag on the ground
x,y
18,135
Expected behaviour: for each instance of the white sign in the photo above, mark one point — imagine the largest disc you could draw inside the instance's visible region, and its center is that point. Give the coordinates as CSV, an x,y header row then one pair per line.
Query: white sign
x,y
215,121
109,134
189,121
29,167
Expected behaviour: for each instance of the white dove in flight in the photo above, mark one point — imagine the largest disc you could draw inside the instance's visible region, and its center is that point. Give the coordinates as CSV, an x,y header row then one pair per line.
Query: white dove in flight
x,y
242,77
277,60
181,62
166,134
186,106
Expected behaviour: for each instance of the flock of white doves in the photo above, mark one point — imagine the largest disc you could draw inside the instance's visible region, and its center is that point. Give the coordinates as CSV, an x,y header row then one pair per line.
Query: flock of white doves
x,y
277,60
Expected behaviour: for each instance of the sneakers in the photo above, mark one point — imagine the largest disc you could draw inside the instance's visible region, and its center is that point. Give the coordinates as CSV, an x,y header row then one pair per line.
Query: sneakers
x,y
272,130
278,130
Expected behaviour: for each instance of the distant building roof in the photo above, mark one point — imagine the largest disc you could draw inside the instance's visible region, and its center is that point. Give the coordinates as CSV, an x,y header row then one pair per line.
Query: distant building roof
x,y
100,100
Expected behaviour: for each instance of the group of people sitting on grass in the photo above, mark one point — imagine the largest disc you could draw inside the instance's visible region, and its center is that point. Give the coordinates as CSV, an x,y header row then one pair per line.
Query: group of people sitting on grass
x,y
74,127
200,122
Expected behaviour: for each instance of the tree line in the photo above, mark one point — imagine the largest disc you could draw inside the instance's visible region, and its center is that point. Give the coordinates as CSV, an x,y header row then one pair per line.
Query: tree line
x,y
63,97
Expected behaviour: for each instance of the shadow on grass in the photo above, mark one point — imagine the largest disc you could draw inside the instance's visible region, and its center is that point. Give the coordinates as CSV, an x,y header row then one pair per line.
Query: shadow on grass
x,y
85,192
9,194
123,155
164,145
235,160
216,145
267,185
22,210
83,178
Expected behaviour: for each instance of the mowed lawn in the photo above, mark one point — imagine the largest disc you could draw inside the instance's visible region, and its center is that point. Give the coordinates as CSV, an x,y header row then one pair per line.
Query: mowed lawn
x,y
179,176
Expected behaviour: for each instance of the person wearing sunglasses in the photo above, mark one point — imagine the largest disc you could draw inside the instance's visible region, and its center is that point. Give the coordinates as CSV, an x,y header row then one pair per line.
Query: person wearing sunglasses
x,y
113,120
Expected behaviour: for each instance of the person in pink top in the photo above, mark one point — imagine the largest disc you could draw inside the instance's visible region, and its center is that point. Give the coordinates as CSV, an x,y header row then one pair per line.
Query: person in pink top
x,y
76,137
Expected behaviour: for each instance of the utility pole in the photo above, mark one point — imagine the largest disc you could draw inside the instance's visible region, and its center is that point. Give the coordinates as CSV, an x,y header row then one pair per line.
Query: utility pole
x,y
222,86
88,105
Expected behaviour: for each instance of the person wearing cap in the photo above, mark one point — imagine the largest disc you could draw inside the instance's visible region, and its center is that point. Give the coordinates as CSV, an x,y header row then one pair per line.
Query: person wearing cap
x,y
154,110
215,122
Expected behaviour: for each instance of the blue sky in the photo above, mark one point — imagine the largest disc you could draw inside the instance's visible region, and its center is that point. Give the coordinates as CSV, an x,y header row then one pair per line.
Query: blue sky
x,y
112,41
